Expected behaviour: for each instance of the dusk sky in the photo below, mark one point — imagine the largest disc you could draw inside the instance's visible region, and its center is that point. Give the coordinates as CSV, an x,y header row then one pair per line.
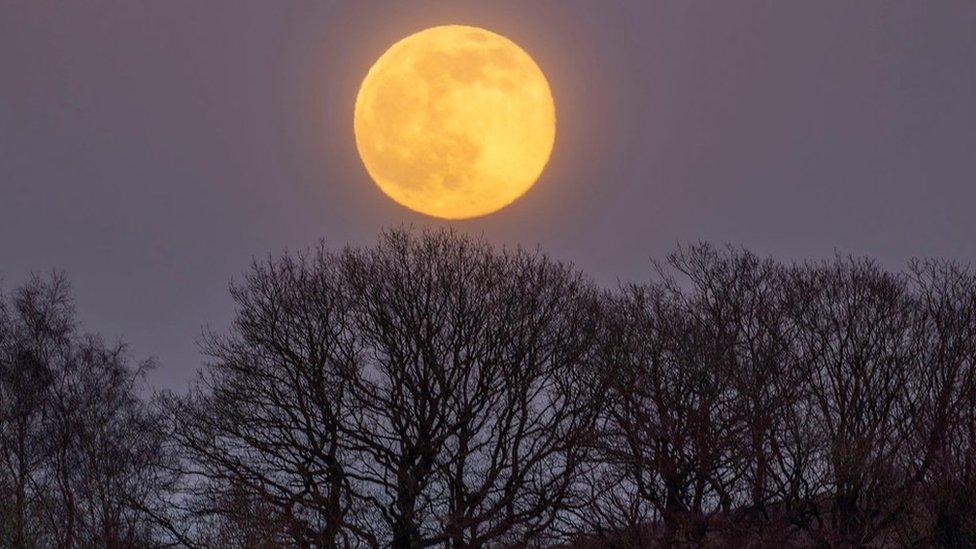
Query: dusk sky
x,y
151,149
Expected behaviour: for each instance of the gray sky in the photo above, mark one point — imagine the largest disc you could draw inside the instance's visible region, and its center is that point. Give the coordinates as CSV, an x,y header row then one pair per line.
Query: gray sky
x,y
151,149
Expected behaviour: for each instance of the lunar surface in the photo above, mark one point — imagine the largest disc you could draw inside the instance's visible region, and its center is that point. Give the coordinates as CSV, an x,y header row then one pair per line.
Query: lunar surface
x,y
455,122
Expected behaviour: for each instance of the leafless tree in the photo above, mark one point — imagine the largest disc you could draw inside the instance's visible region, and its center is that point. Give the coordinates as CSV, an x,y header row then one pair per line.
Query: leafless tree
x,y
473,410
425,391
36,324
817,403
860,339
78,444
941,454
738,305
433,390
665,431
262,432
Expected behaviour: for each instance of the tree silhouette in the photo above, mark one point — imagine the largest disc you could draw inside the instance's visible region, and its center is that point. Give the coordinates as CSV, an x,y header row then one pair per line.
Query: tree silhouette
x,y
78,446
424,391
754,402
434,390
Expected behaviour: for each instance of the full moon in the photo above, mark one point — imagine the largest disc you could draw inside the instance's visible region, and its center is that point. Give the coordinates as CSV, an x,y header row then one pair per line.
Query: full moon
x,y
455,122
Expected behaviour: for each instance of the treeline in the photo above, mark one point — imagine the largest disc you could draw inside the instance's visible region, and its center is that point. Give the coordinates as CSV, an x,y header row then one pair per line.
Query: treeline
x,y
79,447
432,390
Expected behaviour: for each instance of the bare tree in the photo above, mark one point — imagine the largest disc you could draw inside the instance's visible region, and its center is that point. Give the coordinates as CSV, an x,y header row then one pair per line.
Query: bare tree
x,y
472,410
102,444
424,391
747,396
862,340
432,390
702,375
264,426
36,326
665,427
941,454
78,444
738,305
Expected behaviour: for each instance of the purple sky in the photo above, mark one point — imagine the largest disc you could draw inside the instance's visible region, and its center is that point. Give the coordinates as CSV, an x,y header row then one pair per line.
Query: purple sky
x,y
151,149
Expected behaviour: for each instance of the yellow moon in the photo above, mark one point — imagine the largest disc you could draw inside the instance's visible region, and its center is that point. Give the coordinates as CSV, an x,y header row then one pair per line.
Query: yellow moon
x,y
455,122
